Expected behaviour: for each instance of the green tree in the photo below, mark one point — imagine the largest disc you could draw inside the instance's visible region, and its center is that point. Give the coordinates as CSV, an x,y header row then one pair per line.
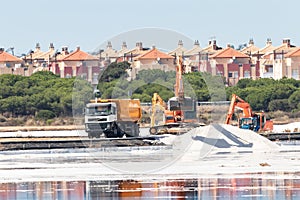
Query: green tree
x,y
294,100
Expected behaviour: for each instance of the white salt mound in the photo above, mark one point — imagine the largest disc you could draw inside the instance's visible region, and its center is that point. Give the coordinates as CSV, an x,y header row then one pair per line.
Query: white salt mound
x,y
223,136
292,127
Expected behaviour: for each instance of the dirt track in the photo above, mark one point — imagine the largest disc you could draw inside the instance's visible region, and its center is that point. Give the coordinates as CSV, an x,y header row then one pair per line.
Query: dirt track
x,y
39,128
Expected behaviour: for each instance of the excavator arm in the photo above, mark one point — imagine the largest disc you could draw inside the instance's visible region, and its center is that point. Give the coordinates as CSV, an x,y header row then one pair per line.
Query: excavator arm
x,y
239,103
179,90
156,101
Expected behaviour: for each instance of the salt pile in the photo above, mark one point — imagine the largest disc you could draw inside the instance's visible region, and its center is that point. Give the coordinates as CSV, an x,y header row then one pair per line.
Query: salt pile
x,y
220,138
228,136
287,128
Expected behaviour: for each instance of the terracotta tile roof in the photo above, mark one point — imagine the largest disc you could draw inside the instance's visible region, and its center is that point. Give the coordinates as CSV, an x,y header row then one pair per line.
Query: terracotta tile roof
x,y
250,49
109,51
229,53
123,50
267,49
135,51
294,53
179,50
79,55
6,57
195,50
154,54
285,48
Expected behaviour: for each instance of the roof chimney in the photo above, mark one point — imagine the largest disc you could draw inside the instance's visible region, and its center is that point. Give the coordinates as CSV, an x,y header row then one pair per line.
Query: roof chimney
x,y
287,41
37,46
78,48
109,45
196,43
124,45
229,45
251,42
1,50
214,43
65,50
51,46
139,45
180,43
269,41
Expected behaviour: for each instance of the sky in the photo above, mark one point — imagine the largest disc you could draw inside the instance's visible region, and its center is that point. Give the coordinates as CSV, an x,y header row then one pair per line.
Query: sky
x,y
91,23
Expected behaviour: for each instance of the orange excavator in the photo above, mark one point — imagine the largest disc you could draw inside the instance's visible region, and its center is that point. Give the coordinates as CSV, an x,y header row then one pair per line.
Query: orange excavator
x,y
249,120
179,112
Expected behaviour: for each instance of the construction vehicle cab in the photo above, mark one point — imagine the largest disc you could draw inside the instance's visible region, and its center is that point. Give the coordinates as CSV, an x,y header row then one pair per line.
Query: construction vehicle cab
x,y
112,117
249,120
180,110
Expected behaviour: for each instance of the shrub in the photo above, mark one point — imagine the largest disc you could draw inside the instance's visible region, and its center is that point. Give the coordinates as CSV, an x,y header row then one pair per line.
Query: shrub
x,y
3,119
45,114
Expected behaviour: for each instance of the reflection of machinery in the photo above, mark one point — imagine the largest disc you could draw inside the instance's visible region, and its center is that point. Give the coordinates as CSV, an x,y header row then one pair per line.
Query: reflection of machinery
x,y
180,112
253,121
113,117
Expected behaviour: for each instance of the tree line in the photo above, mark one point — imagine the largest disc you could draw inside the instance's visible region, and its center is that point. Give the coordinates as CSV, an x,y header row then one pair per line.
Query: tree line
x,y
42,94
45,95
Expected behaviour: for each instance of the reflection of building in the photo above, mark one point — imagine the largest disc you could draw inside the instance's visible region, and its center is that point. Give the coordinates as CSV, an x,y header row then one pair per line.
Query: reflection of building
x,y
205,188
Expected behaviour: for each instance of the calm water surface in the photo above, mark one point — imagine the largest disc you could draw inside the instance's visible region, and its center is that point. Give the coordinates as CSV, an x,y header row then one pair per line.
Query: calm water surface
x,y
206,188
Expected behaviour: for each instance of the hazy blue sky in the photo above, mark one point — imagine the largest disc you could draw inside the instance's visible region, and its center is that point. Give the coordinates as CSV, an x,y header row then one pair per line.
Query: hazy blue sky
x,y
90,23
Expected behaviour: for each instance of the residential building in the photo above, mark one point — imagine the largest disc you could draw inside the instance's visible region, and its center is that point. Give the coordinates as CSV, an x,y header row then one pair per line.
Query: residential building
x,y
203,57
122,51
38,58
292,63
10,64
192,57
263,56
273,63
252,51
152,59
233,65
134,52
77,63
109,55
179,50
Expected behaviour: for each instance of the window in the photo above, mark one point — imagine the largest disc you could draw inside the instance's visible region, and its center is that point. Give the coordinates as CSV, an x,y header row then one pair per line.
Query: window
x,y
220,73
295,74
83,76
246,74
233,74
95,76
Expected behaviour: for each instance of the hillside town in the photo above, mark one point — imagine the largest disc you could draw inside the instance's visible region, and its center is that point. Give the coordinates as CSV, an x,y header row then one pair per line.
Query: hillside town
x,y
248,61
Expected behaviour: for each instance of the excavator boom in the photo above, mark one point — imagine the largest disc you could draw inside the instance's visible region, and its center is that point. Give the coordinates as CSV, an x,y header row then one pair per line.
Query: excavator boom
x,y
249,120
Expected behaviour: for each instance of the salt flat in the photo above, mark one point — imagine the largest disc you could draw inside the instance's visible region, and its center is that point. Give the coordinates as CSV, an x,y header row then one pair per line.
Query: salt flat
x,y
210,151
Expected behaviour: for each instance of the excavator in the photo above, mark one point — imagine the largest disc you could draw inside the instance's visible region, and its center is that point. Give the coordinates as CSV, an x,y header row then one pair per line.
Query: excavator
x,y
249,120
179,114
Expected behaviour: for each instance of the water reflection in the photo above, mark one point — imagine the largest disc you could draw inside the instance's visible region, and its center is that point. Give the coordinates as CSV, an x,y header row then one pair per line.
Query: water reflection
x,y
253,186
